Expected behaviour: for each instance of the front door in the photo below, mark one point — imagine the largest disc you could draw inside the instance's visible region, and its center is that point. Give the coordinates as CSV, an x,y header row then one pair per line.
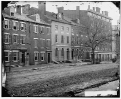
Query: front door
x,y
23,57
48,57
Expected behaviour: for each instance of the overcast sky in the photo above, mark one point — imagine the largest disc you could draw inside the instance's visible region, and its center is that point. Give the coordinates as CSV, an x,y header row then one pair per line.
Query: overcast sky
x,y
113,11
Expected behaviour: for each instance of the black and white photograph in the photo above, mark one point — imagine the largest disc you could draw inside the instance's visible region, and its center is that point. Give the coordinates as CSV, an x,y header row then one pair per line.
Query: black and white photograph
x,y
60,49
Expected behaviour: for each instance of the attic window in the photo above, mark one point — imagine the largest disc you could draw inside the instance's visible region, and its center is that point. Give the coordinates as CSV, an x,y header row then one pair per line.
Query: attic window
x,y
12,14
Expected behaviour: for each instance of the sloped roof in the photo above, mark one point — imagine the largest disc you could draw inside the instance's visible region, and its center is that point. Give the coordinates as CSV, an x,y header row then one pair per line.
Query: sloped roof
x,y
22,17
57,20
72,22
41,21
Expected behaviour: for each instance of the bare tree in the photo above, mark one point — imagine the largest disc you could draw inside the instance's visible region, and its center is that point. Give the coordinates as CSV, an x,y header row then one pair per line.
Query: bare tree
x,y
97,33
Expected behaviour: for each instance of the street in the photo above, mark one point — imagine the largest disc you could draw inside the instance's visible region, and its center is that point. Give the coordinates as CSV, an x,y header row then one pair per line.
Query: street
x,y
56,77
33,75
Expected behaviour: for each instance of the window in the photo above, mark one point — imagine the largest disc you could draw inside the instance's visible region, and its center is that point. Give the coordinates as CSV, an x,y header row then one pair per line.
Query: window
x,y
42,29
72,30
62,52
56,38
62,28
56,52
6,22
12,13
35,28
56,27
22,26
15,38
15,25
48,30
48,42
62,39
67,29
67,39
6,56
35,42
22,39
36,55
15,56
7,38
42,56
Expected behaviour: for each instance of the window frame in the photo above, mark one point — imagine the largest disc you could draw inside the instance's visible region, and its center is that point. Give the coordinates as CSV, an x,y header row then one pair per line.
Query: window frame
x,y
22,39
56,27
8,34
67,39
42,55
36,53
16,38
15,25
17,52
62,28
36,28
23,26
8,55
56,38
35,39
7,23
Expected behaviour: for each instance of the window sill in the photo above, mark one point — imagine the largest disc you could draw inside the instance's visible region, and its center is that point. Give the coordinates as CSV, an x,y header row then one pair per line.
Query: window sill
x,y
36,60
6,43
42,60
6,28
15,61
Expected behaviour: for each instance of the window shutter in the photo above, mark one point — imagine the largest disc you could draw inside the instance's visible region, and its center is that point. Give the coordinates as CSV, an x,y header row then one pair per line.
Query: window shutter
x,y
18,39
4,23
10,24
25,26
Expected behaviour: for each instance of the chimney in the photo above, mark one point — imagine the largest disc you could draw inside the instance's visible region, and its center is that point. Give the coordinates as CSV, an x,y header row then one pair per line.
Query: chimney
x,y
88,7
93,8
42,8
77,8
106,13
98,9
60,9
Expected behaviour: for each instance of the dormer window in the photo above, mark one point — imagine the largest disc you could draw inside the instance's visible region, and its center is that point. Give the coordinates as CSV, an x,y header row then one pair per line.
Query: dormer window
x,y
12,14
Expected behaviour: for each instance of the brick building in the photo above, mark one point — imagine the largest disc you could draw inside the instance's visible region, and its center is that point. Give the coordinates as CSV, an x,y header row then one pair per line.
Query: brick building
x,y
21,38
103,52
60,32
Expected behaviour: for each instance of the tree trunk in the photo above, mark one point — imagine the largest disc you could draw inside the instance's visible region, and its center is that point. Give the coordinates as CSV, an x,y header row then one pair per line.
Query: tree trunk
x,y
93,57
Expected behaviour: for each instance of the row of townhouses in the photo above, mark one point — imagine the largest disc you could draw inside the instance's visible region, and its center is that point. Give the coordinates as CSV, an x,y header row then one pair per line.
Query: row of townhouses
x,y
36,36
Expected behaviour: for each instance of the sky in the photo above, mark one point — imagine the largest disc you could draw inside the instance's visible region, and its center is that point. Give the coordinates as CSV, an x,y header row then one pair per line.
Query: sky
x,y
113,11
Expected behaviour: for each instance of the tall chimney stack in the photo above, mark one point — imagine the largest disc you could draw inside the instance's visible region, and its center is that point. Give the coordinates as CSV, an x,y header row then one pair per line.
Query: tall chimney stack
x,y
42,8
77,8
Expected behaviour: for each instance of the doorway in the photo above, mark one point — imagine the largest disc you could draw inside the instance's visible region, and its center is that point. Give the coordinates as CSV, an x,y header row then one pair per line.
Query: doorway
x,y
22,57
48,55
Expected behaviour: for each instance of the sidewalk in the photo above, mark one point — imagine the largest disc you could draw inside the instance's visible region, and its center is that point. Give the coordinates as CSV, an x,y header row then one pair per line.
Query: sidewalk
x,y
50,65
